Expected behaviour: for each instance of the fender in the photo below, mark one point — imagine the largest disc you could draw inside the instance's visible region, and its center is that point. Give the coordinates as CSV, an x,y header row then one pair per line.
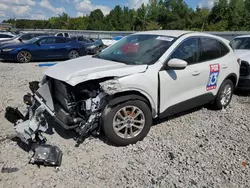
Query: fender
x,y
124,96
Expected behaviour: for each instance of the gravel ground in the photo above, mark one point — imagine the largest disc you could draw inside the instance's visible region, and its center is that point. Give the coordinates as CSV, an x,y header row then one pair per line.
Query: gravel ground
x,y
202,148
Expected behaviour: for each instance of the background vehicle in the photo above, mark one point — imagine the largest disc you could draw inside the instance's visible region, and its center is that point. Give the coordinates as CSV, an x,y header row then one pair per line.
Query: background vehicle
x,y
6,35
62,34
23,37
41,48
83,39
95,47
146,75
241,46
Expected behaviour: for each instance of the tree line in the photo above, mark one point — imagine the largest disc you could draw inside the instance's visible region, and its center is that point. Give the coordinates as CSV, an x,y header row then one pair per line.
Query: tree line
x,y
233,15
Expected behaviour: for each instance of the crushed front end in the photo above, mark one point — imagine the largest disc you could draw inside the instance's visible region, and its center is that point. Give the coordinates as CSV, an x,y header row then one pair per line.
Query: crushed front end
x,y
77,108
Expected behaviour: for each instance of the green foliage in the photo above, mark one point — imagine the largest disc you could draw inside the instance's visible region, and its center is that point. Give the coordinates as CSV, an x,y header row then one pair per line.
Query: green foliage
x,y
225,15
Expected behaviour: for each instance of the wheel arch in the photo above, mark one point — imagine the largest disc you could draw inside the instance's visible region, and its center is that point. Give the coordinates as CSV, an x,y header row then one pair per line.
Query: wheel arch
x,y
233,78
124,96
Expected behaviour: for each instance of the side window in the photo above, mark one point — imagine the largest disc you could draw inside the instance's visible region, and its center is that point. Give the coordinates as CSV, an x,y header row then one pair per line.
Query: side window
x,y
224,49
26,37
48,41
66,35
210,49
60,40
59,35
187,51
5,36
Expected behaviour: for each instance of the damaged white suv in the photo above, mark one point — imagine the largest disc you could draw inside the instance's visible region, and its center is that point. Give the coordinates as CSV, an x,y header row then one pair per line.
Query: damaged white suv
x,y
122,89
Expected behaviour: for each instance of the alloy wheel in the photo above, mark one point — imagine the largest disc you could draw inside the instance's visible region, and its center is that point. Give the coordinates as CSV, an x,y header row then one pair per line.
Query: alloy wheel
x,y
128,122
226,95
24,57
73,54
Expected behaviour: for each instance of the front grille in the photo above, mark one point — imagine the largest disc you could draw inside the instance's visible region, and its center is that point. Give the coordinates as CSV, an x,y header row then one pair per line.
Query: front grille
x,y
244,68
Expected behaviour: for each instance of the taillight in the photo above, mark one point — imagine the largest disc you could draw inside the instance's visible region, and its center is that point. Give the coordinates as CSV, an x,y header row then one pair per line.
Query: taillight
x,y
239,61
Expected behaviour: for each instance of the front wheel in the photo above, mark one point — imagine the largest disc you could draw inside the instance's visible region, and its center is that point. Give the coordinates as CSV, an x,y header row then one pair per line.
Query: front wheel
x,y
73,54
224,95
127,123
24,56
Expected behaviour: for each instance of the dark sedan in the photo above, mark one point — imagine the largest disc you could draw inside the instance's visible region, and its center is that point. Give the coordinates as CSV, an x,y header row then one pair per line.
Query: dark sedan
x,y
95,47
43,48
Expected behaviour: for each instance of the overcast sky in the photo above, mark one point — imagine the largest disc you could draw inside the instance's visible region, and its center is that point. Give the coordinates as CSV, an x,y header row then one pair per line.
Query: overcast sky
x,y
43,9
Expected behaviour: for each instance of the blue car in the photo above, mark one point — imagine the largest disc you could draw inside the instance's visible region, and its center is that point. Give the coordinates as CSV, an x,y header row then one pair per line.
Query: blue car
x,y
43,48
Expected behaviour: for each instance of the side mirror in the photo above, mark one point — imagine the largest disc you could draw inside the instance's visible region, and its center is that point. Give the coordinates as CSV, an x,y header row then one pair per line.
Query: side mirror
x,y
177,64
38,43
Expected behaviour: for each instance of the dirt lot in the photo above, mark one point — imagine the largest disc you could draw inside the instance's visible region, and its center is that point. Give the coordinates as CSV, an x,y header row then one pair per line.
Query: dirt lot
x,y
202,148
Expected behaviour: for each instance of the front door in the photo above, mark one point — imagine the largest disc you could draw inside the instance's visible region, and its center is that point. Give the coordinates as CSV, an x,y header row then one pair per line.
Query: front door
x,y
181,89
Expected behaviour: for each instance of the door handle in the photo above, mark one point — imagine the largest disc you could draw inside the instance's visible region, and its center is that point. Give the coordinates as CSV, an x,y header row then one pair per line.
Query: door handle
x,y
224,66
196,73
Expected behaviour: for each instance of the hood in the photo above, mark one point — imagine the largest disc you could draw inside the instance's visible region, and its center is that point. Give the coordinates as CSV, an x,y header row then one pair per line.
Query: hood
x,y
243,54
13,45
87,68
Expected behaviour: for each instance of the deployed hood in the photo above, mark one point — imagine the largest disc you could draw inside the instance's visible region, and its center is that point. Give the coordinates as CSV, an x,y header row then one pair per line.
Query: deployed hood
x,y
86,68
243,54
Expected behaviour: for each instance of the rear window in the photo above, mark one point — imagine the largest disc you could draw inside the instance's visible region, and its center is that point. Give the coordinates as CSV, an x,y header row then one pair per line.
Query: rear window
x,y
60,40
210,49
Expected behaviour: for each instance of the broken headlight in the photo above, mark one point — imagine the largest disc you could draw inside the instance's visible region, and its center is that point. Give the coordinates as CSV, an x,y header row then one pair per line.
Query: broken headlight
x,y
110,86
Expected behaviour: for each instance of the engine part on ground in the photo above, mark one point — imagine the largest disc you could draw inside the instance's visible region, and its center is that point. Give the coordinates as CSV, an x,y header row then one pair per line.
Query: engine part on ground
x,y
46,155
30,130
13,114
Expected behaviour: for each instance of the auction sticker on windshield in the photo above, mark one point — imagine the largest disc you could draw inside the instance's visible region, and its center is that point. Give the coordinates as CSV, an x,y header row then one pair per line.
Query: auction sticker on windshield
x,y
169,39
213,76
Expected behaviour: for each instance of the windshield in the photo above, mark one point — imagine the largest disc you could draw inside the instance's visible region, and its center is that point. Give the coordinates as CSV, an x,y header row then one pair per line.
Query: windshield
x,y
138,49
32,41
240,43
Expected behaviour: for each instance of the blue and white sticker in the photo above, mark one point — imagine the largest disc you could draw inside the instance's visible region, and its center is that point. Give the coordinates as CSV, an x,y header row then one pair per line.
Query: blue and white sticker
x,y
213,77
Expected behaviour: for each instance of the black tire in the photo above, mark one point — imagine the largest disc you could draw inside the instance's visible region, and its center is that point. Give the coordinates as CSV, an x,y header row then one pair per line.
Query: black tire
x,y
110,113
73,54
218,104
24,56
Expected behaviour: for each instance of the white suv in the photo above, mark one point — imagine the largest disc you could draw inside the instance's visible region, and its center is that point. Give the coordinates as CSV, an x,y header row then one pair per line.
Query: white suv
x,y
141,77
241,46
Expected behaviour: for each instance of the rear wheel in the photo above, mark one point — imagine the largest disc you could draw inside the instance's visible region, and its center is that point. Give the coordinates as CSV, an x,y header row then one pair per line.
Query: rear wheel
x,y
24,56
127,123
73,54
224,95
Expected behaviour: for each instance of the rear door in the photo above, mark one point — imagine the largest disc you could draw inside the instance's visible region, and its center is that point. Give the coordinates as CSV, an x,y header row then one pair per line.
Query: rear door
x,y
60,47
215,64
47,47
